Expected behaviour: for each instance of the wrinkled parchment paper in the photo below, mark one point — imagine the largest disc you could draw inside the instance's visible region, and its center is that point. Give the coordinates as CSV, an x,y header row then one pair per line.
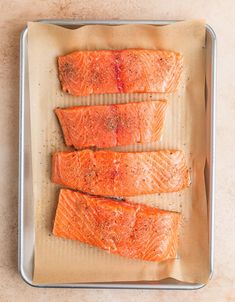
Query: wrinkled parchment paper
x,y
59,260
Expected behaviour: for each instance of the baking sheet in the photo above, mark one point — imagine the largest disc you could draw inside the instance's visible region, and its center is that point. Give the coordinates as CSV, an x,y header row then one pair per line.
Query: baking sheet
x,y
58,260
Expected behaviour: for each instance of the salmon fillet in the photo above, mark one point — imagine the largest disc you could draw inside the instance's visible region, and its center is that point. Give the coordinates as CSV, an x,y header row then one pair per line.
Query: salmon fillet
x,y
112,125
110,173
119,71
123,228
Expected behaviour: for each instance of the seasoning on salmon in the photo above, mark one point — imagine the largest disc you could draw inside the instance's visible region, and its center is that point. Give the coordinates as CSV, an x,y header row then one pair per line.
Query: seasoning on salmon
x,y
111,173
83,73
112,125
129,230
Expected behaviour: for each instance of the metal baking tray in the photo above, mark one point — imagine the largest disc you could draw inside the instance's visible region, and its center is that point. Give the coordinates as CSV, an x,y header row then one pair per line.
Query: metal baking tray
x,y
26,205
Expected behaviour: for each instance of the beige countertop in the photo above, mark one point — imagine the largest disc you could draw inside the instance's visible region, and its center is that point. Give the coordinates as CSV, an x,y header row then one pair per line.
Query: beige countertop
x,y
13,17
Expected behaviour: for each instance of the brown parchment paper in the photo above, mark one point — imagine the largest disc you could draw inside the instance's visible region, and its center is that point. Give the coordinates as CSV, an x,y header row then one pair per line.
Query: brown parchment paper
x,y
58,260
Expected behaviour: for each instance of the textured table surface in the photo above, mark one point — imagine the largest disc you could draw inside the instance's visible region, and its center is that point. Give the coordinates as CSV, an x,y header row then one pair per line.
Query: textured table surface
x,y
13,17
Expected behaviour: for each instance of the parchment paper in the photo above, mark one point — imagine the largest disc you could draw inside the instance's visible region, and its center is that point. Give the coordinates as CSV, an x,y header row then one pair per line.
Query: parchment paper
x,y
58,260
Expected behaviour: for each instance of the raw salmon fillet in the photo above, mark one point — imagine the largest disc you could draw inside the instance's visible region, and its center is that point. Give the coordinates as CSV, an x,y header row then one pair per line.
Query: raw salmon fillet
x,y
110,173
123,228
112,125
119,71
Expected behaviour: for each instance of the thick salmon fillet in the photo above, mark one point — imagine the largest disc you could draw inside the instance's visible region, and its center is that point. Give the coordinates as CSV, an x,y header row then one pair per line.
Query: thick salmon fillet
x,y
123,228
110,173
112,125
119,71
